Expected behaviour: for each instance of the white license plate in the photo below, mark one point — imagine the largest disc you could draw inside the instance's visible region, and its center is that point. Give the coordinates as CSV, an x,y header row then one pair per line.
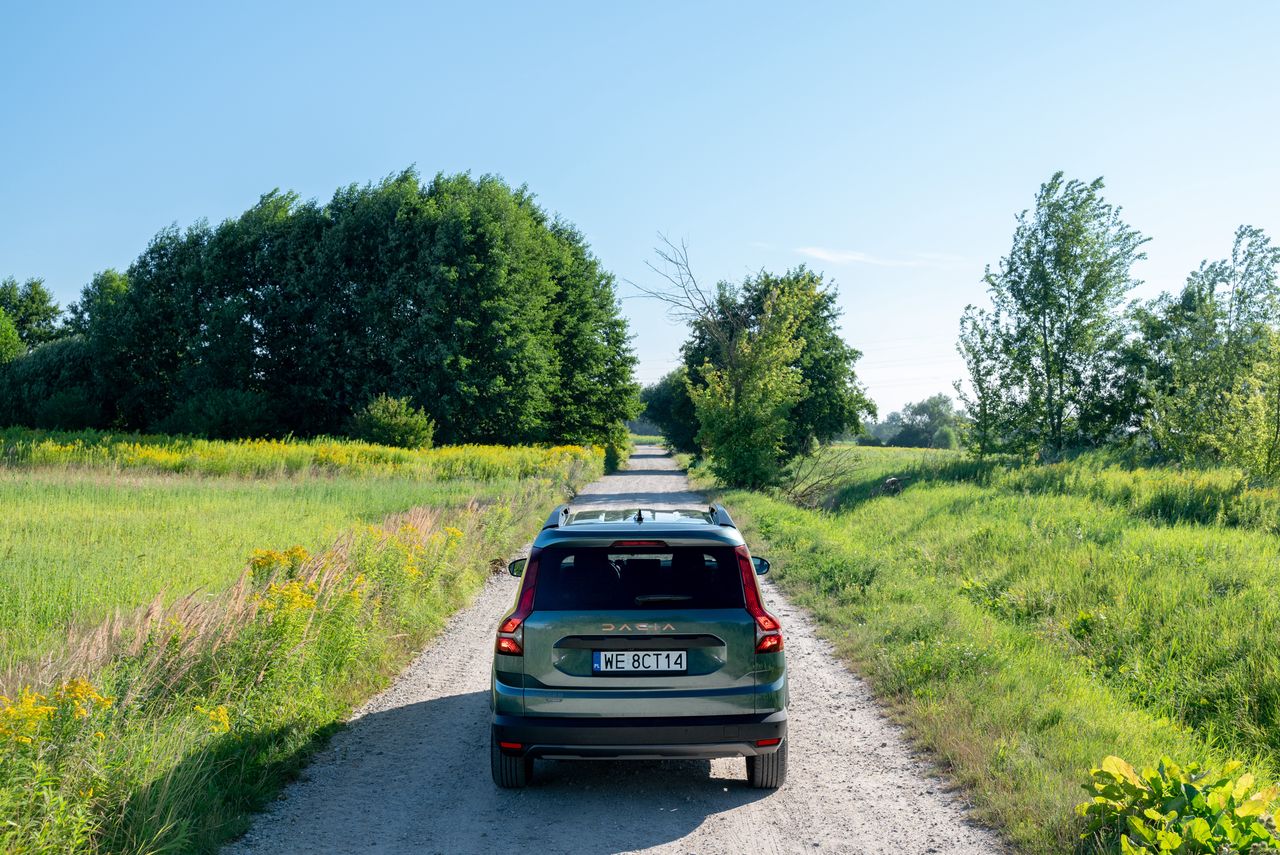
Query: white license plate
x,y
637,661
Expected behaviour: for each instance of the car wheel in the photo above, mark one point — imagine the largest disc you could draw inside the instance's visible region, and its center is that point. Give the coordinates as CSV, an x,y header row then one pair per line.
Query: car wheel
x,y
509,772
768,771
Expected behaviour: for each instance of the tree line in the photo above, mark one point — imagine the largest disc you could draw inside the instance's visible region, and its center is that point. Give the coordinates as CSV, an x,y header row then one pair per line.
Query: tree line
x,y
931,423
459,294
1061,361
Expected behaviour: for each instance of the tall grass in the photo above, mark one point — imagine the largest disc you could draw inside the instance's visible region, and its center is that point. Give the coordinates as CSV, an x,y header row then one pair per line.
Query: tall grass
x,y
1222,496
281,457
159,730
93,522
1024,638
76,544
194,713
175,644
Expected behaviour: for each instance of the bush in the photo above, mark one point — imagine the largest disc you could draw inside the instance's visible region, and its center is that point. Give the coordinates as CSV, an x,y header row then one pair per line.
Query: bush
x,y
617,448
222,414
53,386
945,437
394,421
1170,809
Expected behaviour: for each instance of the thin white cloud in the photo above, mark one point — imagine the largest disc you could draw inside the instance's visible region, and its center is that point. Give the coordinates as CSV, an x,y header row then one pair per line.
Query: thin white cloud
x,y
852,256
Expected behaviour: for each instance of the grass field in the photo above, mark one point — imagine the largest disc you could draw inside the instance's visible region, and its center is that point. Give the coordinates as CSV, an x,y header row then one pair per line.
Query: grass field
x,y
298,577
1028,622
647,439
76,544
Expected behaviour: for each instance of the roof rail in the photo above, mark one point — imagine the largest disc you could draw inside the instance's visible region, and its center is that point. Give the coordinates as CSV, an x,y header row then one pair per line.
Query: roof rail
x,y
721,517
557,518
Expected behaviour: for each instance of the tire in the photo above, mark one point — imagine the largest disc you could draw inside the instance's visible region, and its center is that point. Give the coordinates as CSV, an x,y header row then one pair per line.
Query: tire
x,y
768,771
510,773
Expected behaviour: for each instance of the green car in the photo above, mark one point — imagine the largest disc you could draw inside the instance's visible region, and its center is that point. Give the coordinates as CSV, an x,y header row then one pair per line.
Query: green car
x,y
639,634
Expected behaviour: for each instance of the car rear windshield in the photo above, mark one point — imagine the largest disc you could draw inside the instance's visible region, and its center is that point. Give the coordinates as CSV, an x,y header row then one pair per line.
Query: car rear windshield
x,y
580,579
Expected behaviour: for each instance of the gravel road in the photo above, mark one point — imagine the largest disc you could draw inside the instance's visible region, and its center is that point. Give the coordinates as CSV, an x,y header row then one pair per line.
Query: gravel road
x,y
411,771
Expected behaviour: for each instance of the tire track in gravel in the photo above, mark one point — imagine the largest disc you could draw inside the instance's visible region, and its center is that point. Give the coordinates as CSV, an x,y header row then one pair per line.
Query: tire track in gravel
x,y
410,773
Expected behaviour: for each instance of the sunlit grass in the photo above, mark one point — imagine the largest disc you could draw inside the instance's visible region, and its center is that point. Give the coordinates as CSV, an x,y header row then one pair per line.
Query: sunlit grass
x,y
296,578
75,544
1027,622
279,457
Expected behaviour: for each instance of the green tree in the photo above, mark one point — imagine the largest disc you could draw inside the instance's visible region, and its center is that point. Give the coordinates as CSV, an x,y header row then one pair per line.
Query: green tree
x,y
32,310
104,291
11,346
945,437
812,396
744,404
982,399
459,294
594,391
834,402
917,424
1203,355
1054,333
668,405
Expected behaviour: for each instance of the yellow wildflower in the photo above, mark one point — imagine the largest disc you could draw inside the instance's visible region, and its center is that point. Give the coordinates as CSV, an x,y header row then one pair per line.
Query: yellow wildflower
x,y
219,717
22,719
82,695
289,597
265,559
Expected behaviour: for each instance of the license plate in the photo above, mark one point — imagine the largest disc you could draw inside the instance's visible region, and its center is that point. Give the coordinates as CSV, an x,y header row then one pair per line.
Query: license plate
x,y
637,661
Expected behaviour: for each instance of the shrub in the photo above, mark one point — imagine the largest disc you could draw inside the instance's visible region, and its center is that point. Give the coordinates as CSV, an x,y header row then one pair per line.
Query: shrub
x,y
945,437
1171,809
222,414
617,448
53,386
394,421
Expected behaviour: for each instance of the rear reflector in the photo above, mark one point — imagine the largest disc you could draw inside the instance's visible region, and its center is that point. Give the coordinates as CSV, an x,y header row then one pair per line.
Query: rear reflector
x,y
516,746
769,644
508,647
765,743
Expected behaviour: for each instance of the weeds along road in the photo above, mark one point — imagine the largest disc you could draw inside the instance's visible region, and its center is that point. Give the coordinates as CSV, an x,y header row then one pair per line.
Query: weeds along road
x,y
411,771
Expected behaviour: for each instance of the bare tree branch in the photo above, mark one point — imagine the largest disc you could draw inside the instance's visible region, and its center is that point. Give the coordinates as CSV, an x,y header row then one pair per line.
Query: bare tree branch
x,y
814,477
686,299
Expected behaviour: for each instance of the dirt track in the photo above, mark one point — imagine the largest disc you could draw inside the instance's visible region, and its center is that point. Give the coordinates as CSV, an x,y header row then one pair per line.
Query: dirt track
x,y
411,772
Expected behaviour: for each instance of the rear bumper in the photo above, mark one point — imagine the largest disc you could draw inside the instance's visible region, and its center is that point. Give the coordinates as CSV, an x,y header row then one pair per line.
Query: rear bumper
x,y
700,737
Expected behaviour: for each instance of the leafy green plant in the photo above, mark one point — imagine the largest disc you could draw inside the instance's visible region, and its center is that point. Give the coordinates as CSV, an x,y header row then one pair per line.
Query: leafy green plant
x,y
394,421
617,448
1176,809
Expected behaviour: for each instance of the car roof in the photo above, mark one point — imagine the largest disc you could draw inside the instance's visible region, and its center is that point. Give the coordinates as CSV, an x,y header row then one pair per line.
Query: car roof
x,y
605,525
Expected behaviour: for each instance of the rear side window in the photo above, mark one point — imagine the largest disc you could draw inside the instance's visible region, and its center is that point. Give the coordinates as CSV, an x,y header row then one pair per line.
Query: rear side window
x,y
676,577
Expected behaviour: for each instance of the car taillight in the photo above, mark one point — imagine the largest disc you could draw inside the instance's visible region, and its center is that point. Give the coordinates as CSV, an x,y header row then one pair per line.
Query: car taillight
x,y
768,630
510,640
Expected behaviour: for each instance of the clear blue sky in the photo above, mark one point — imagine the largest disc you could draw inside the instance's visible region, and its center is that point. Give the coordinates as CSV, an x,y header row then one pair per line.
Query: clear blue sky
x,y
889,145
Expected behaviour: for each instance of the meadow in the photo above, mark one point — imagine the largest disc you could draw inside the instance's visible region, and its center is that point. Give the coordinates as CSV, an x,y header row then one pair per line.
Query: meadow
x,y
1026,622
184,621
77,544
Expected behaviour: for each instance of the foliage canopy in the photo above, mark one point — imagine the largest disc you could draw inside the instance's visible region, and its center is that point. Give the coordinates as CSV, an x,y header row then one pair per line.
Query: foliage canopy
x,y
459,294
